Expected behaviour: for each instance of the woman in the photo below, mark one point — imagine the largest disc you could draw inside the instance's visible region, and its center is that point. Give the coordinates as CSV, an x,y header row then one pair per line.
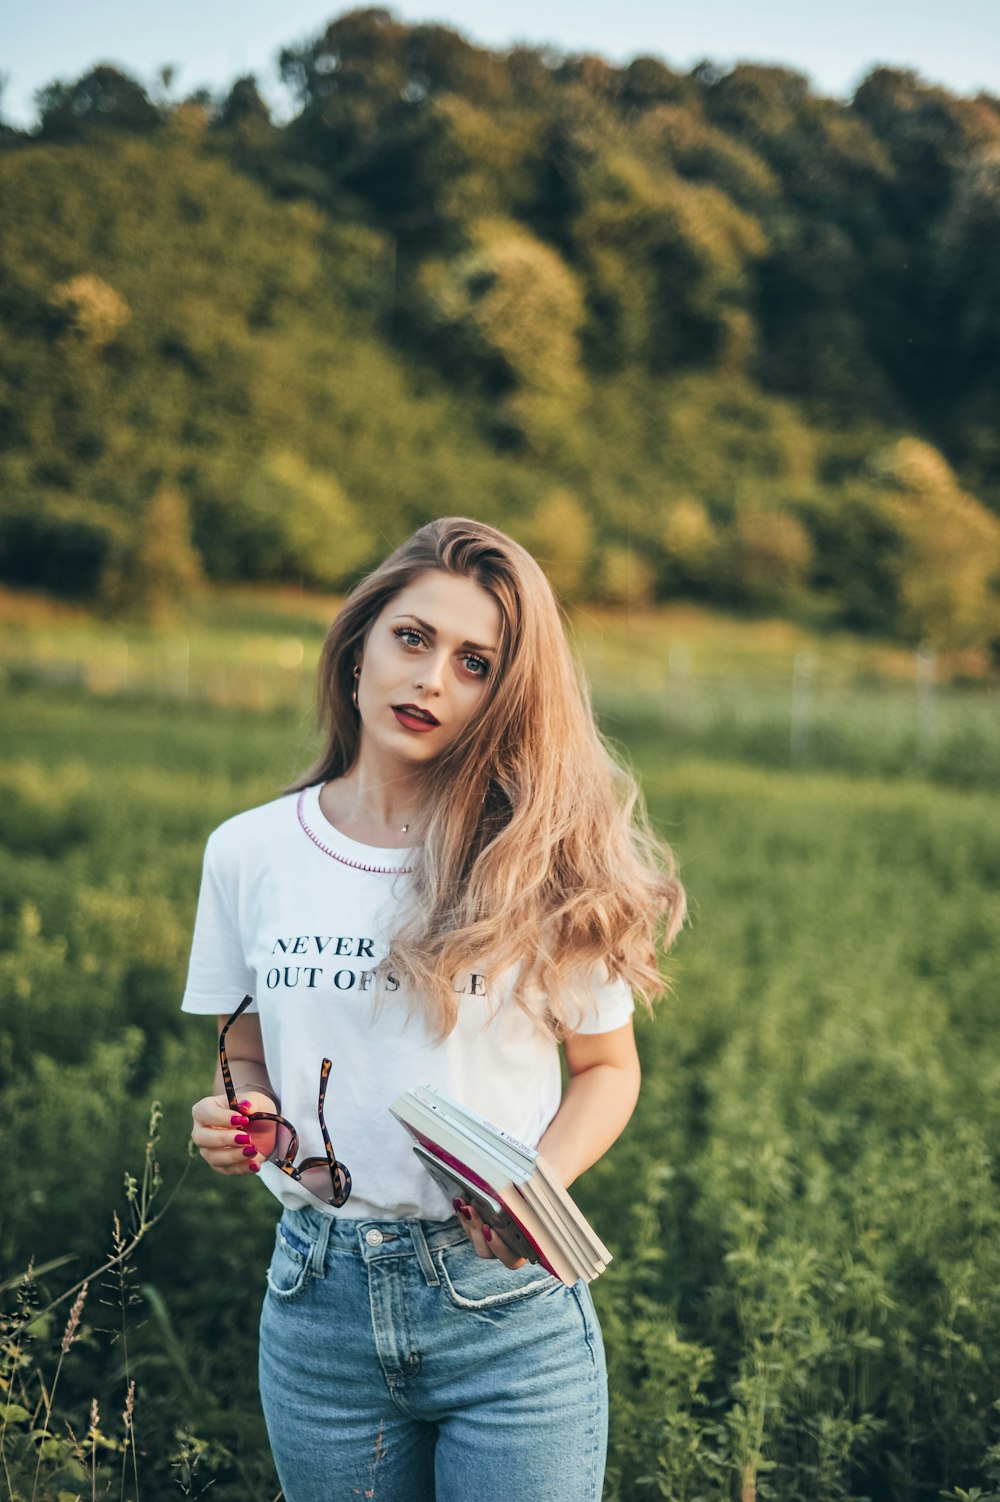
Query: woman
x,y
455,890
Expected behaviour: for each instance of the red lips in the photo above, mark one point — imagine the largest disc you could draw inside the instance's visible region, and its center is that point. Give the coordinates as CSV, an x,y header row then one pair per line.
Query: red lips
x,y
413,717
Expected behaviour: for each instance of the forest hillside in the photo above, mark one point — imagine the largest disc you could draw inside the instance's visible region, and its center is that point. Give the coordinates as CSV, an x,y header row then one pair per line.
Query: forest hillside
x,y
701,335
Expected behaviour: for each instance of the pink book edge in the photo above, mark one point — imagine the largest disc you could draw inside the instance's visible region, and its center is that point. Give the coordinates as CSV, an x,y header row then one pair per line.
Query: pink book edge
x,y
474,1178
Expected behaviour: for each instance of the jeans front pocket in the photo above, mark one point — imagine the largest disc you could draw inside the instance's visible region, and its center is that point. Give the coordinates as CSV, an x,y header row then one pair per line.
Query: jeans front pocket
x,y
474,1282
288,1272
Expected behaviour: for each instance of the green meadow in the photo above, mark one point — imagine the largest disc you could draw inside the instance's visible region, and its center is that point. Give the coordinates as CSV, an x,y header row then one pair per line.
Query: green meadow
x,y
702,341
805,1210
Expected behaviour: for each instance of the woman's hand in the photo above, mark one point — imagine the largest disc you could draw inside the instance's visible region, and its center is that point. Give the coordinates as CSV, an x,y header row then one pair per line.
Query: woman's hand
x,y
226,1140
487,1242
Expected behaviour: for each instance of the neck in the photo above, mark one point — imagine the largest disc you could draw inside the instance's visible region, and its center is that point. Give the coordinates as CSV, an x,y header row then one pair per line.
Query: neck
x,y
374,804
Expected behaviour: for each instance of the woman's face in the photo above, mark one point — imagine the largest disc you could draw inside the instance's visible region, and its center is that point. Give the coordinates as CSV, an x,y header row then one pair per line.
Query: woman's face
x,y
425,664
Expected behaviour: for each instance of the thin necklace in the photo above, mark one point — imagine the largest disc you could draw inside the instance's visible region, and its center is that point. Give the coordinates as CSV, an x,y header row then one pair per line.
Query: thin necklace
x,y
405,828
336,855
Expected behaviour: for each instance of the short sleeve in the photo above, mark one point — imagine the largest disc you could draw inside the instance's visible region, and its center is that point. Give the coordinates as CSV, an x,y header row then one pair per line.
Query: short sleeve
x,y
218,974
612,1006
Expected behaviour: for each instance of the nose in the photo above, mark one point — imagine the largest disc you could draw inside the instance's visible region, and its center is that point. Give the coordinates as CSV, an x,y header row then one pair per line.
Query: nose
x,y
430,675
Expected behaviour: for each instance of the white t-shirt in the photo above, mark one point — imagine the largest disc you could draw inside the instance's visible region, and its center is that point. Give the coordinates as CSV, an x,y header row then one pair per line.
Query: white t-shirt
x,y
297,914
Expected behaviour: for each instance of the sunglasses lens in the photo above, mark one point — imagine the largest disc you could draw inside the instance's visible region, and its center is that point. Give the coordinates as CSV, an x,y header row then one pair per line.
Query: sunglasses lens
x,y
319,1182
272,1139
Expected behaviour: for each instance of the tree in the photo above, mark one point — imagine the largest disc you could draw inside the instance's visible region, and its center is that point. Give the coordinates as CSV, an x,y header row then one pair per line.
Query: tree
x,y
293,520
928,134
667,265
757,103
509,309
559,534
625,577
950,562
243,107
160,567
104,98
94,309
677,136
691,544
647,81
771,554
967,275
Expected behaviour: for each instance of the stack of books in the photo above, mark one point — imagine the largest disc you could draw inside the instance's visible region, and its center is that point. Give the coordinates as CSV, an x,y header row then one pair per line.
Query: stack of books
x,y
508,1184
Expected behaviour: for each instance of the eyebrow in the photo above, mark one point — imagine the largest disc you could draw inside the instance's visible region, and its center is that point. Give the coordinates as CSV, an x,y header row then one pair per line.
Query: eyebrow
x,y
432,631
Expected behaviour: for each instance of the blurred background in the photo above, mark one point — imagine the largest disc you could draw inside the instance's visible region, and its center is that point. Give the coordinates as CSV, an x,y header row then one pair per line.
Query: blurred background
x,y
705,311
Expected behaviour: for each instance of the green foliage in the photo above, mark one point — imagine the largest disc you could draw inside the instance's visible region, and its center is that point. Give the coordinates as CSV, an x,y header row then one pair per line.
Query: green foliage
x,y
103,99
559,534
513,309
771,555
44,1447
823,1217
465,280
804,1212
626,578
297,522
160,567
691,544
680,137
950,555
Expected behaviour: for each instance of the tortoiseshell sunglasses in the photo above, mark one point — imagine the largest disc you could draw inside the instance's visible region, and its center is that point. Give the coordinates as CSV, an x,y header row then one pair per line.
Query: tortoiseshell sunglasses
x,y
277,1141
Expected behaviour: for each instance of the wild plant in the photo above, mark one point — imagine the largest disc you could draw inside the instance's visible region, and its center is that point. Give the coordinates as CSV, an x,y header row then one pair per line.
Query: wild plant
x,y
42,1454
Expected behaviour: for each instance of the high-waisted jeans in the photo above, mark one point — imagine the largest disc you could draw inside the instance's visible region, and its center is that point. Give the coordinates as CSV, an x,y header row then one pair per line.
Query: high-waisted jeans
x,y
397,1366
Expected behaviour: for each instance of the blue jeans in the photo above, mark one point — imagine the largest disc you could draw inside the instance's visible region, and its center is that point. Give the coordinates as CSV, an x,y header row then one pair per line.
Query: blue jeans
x,y
397,1366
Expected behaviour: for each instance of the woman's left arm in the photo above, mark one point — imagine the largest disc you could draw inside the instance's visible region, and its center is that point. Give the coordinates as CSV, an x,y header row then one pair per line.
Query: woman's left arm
x,y
597,1103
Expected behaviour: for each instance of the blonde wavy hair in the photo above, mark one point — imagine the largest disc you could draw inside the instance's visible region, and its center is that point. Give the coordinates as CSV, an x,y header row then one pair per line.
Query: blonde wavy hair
x,y
535,854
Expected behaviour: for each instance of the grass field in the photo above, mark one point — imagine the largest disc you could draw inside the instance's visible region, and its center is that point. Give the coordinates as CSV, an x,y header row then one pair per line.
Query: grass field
x,y
805,1211
768,692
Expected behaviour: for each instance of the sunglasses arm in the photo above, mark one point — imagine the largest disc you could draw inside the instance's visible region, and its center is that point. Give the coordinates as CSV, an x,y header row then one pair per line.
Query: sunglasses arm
x,y
239,1078
246,1081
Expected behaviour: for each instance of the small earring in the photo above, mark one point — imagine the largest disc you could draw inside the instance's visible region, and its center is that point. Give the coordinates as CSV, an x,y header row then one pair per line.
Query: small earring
x,y
354,692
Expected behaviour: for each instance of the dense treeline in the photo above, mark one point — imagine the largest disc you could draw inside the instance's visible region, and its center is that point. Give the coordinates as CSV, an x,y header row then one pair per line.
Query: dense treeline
x,y
703,333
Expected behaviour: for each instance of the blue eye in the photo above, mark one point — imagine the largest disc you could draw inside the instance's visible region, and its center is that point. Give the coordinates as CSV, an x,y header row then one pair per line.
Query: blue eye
x,y
477,665
408,631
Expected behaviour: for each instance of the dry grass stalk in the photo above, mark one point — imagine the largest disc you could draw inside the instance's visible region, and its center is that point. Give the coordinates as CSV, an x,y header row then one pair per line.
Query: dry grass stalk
x,y
129,1408
73,1323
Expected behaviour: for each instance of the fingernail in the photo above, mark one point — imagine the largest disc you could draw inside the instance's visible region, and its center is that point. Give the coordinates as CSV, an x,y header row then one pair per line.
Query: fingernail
x,y
457,1205
245,1105
254,1167
249,1152
487,1233
237,1121
466,1213
242,1137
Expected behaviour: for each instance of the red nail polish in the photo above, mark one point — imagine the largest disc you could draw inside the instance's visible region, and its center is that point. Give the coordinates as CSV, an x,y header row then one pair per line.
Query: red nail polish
x,y
238,1121
457,1205
254,1167
242,1137
245,1105
249,1152
487,1233
466,1213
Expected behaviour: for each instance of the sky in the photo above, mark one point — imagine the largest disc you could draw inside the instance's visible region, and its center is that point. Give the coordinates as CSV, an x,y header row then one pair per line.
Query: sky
x,y
211,42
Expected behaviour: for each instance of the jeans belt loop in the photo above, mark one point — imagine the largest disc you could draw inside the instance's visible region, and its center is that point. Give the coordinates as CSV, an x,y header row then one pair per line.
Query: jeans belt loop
x,y
423,1252
317,1257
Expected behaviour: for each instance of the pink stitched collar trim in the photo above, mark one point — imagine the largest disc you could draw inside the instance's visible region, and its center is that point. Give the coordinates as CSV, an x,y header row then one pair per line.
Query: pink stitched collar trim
x,y
345,860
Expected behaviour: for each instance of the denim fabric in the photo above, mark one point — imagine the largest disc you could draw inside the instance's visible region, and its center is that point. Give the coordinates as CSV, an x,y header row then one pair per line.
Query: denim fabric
x,y
397,1366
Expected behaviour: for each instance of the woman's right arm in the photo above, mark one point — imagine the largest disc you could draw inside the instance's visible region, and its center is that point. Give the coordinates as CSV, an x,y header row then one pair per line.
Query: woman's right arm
x,y
219,1134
